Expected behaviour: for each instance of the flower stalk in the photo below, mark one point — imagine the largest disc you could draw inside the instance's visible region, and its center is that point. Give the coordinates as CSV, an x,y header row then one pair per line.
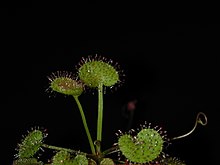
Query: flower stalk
x,y
100,112
85,124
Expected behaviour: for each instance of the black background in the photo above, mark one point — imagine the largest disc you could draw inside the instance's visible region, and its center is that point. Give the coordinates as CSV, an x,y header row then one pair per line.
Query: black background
x,y
172,69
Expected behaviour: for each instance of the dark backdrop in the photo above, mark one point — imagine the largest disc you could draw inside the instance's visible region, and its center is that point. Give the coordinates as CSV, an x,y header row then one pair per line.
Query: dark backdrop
x,y
171,69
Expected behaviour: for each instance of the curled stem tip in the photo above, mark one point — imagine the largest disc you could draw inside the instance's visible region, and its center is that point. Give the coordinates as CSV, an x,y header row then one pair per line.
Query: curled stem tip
x,y
199,120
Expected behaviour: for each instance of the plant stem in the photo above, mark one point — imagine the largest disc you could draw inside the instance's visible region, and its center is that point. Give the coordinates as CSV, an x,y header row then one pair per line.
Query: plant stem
x,y
58,148
92,156
100,112
85,124
111,150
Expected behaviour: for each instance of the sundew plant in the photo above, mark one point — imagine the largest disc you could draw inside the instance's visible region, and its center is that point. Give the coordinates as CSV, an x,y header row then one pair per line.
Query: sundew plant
x,y
144,145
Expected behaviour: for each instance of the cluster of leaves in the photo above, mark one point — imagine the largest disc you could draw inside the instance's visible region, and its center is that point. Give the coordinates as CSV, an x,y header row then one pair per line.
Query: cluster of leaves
x,y
141,146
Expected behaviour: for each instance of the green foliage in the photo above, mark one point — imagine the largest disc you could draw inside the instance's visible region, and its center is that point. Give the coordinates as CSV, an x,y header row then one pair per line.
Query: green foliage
x,y
143,148
27,161
172,161
81,159
146,147
64,83
30,144
65,158
107,161
94,73
61,157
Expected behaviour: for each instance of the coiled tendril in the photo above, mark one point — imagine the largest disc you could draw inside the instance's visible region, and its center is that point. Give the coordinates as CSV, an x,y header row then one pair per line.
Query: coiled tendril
x,y
198,120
